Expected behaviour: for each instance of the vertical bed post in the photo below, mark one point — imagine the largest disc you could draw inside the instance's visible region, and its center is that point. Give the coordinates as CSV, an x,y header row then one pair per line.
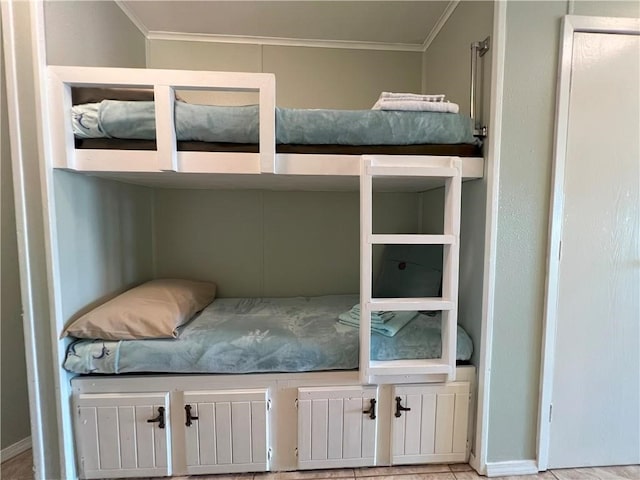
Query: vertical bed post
x,y
366,230
268,124
450,264
62,139
166,142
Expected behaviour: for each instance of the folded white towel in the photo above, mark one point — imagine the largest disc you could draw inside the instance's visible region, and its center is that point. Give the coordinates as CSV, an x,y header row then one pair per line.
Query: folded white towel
x,y
412,96
417,106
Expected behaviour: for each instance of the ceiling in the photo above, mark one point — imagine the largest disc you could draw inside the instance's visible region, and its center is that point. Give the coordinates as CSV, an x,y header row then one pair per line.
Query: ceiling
x,y
392,24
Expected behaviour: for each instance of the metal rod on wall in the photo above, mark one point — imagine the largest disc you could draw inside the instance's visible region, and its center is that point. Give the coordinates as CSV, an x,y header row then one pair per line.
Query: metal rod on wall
x,y
478,49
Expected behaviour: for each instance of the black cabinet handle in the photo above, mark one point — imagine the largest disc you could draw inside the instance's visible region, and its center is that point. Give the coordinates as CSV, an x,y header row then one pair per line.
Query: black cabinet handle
x,y
400,408
187,409
372,409
159,419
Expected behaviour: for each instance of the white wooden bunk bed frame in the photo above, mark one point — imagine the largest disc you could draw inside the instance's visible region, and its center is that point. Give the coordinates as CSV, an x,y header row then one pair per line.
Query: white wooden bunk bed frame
x,y
394,412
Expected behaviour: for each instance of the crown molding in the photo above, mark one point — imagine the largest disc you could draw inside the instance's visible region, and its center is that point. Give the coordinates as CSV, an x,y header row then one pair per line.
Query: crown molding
x,y
133,17
439,24
286,42
290,42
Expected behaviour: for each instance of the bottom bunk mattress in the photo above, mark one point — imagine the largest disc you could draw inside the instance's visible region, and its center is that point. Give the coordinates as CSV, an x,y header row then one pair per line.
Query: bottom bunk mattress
x,y
260,335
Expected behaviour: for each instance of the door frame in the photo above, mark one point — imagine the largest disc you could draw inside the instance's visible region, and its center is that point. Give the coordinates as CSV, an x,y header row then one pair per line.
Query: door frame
x,y
570,25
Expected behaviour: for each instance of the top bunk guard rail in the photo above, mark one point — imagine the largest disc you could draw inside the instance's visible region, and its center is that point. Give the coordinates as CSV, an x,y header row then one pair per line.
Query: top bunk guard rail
x,y
166,166
164,83
478,49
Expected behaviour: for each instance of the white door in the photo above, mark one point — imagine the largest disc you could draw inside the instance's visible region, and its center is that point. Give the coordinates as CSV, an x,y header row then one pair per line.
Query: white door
x,y
122,435
336,426
226,431
595,399
430,423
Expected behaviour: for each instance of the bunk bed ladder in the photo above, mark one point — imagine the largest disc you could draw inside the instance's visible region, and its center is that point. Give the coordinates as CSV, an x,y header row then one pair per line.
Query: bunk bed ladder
x,y
449,169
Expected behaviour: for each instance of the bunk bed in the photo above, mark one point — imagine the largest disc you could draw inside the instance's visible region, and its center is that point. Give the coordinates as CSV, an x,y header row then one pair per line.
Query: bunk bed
x,y
374,405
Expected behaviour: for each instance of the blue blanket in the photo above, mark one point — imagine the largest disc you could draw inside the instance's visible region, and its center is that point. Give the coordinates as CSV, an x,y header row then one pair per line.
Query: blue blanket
x,y
208,123
256,335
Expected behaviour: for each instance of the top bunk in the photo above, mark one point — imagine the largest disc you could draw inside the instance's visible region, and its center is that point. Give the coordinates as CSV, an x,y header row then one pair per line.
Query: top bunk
x,y
132,125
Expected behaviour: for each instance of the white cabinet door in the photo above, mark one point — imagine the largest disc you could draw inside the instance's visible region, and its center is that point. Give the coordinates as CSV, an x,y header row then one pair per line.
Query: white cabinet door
x,y
227,432
115,438
333,428
434,428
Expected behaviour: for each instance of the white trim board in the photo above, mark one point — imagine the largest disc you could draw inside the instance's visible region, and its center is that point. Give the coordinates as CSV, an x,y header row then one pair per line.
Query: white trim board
x,y
32,354
15,449
492,168
281,41
66,453
440,24
133,17
516,467
571,24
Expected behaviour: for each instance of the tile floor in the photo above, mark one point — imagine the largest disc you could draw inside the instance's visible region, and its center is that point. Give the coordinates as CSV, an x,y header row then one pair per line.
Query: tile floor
x,y
19,468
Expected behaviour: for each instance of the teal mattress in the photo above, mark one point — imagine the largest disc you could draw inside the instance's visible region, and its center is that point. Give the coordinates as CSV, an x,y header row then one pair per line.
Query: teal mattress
x,y
210,123
259,335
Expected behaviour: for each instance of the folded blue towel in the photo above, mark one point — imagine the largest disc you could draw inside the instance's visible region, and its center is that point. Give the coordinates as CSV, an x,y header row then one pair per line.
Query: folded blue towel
x,y
376,317
388,329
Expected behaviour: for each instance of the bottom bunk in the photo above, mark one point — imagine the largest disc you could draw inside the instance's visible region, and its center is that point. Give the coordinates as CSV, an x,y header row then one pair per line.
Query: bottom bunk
x,y
258,335
162,425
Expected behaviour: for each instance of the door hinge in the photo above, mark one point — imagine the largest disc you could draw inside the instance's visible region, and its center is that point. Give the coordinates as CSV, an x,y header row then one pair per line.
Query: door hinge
x,y
268,405
550,412
269,453
560,251
296,403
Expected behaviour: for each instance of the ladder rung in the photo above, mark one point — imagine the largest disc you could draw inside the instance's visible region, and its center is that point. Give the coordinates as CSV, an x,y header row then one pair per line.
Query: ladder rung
x,y
412,171
409,367
410,304
395,239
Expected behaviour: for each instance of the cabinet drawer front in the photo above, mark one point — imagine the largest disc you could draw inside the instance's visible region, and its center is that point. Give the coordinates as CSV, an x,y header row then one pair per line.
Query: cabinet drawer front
x,y
114,437
435,427
333,431
230,432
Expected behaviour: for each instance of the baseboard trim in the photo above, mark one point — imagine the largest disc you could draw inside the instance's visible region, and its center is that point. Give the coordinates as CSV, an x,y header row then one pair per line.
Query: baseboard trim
x,y
516,467
15,449
475,464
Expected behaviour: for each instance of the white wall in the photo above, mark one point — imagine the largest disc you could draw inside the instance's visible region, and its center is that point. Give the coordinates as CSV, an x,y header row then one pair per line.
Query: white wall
x,y
306,77
93,34
267,243
13,377
339,78
532,45
104,239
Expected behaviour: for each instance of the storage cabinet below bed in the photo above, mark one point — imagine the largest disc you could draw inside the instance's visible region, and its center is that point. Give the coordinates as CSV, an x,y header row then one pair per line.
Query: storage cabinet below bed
x,y
281,422
226,431
337,426
429,423
123,434
139,434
